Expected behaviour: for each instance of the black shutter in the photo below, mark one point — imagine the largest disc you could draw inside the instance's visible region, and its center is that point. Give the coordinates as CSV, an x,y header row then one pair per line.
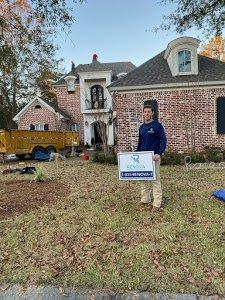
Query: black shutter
x,y
220,108
32,127
46,127
154,105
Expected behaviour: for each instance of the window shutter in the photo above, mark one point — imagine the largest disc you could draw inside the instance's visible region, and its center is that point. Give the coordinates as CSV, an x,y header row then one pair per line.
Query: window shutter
x,y
154,105
220,108
32,127
46,127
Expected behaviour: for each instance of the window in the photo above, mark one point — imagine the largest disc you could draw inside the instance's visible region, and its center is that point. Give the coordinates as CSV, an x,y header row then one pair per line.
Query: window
x,y
75,127
184,61
220,108
70,85
97,97
37,106
39,127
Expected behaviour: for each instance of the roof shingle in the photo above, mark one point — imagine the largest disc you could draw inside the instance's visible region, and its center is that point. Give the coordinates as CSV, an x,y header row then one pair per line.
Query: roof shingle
x,y
157,71
96,66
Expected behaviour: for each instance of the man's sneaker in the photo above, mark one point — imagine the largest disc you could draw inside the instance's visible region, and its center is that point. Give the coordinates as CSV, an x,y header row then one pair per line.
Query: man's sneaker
x,y
156,209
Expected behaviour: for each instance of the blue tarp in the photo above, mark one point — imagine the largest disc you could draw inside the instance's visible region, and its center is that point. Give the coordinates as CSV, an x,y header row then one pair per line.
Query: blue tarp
x,y
220,194
42,156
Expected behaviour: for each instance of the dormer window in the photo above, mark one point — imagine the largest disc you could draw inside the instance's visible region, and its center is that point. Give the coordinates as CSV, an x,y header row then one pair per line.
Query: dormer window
x,y
184,61
182,56
70,81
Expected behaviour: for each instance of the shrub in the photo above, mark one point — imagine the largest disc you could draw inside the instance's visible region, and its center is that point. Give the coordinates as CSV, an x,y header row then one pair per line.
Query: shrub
x,y
172,158
214,154
105,158
40,175
197,157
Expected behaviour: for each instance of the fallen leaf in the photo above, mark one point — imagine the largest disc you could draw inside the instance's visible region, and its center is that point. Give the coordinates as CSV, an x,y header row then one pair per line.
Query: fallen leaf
x,y
215,273
156,262
158,274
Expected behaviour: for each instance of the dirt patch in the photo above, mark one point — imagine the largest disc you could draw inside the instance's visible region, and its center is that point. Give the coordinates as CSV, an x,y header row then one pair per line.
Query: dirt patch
x,y
19,196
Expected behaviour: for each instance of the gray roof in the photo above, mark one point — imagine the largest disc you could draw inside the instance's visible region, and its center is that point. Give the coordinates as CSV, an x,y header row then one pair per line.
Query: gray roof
x,y
57,109
157,71
95,66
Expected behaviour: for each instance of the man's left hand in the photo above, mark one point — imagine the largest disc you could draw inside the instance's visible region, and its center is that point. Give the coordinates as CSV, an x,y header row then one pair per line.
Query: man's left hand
x,y
156,157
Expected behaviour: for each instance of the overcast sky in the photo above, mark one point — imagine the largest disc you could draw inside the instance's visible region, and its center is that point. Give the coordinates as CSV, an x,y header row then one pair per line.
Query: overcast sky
x,y
117,30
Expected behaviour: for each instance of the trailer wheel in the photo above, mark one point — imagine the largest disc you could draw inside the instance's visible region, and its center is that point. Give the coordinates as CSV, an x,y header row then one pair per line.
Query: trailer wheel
x,y
21,156
37,150
50,149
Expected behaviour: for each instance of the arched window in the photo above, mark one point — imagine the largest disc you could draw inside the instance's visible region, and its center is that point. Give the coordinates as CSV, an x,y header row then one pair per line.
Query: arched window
x,y
184,61
97,97
37,106
70,82
70,86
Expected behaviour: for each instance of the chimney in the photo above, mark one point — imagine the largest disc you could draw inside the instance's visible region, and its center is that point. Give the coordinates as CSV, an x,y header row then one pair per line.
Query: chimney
x,y
94,57
73,67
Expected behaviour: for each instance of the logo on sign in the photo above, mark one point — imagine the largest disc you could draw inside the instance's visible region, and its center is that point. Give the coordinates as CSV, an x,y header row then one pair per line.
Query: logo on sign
x,y
135,164
135,158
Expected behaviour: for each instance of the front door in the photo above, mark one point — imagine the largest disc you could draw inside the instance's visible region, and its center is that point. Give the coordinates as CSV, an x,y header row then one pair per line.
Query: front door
x,y
97,134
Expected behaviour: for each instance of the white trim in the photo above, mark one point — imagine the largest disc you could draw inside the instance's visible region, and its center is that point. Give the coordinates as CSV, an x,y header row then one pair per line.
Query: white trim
x,y
185,40
64,85
94,72
70,77
18,116
168,86
95,111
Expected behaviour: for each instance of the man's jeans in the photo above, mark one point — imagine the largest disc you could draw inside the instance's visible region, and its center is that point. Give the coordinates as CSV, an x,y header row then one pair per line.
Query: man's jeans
x,y
157,189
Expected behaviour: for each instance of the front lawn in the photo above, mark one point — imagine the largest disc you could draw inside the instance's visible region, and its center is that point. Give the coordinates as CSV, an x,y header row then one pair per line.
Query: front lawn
x,y
87,230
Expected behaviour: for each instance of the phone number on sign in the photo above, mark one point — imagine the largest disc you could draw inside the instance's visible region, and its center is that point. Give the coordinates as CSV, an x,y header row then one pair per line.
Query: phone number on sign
x,y
137,174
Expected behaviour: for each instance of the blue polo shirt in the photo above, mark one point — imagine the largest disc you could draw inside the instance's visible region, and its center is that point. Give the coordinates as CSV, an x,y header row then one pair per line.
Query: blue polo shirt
x,y
152,138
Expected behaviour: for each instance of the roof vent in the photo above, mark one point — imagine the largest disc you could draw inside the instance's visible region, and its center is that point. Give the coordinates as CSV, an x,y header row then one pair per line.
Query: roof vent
x,y
120,75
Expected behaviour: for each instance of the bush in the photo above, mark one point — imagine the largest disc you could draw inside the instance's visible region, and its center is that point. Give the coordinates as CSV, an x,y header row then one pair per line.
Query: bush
x,y
105,158
214,154
172,158
40,175
197,157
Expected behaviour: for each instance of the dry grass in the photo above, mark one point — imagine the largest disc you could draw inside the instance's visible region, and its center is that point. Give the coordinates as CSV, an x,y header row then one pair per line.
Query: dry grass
x,y
98,237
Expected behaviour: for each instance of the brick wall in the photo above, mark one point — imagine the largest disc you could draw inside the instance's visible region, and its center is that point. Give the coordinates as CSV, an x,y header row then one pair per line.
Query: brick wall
x,y
40,116
70,104
188,116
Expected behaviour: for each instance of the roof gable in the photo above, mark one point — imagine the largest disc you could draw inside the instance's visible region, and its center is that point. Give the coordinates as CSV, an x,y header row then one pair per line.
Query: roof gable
x,y
50,106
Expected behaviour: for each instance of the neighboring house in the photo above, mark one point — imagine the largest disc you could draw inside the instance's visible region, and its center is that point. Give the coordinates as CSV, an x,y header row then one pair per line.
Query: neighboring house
x,y
82,101
40,114
187,91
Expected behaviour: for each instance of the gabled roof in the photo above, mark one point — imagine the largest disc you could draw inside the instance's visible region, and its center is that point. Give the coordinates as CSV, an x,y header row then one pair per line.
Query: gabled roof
x,y
51,106
57,109
96,66
156,71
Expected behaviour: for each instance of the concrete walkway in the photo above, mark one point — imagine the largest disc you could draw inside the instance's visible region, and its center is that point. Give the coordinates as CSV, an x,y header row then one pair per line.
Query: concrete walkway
x,y
16,292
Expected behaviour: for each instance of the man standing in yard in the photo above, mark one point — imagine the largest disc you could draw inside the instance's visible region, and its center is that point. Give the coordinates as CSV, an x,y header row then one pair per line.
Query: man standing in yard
x,y
152,138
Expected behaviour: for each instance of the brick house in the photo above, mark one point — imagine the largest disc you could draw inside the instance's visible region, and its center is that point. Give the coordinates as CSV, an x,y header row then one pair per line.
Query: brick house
x,y
40,114
187,91
82,101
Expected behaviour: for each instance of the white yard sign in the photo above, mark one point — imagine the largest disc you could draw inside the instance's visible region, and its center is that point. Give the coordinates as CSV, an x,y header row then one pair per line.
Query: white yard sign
x,y
136,165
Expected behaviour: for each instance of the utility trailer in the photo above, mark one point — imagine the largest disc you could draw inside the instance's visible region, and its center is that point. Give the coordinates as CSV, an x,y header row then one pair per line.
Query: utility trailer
x,y
23,142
